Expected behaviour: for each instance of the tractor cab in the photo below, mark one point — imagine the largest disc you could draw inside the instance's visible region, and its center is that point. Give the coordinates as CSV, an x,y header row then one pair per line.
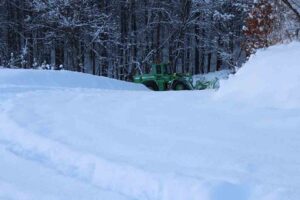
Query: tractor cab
x,y
160,69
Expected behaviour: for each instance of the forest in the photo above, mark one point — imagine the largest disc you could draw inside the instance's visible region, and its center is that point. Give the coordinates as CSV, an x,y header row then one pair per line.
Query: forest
x,y
119,38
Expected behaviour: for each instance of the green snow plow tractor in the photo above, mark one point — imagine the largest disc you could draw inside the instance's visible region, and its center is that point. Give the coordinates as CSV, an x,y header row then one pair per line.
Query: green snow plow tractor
x,y
160,78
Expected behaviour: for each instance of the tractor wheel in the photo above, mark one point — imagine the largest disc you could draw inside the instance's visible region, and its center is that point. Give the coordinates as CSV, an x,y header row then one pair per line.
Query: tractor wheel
x,y
151,85
179,86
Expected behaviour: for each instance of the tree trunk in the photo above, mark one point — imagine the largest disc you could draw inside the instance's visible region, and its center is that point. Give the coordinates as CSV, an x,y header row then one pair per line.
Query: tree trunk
x,y
53,55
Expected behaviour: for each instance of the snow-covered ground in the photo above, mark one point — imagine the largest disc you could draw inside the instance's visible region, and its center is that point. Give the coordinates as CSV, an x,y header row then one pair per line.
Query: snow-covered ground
x,y
60,79
65,136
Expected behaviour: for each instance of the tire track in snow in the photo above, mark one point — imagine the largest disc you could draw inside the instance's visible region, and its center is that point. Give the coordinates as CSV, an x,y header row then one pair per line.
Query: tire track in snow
x,y
123,179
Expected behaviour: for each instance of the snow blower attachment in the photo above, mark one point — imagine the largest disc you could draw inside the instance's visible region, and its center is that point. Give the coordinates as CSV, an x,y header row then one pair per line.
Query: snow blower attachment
x,y
160,78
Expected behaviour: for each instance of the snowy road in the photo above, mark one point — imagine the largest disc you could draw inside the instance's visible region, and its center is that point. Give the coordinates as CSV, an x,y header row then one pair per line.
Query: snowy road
x,y
103,143
145,145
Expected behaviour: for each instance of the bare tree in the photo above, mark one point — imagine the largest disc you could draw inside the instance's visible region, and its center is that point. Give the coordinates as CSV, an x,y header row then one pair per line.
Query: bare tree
x,y
118,38
290,4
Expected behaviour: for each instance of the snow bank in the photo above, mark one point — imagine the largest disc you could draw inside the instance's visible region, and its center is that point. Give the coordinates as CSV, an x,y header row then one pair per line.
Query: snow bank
x,y
62,79
270,78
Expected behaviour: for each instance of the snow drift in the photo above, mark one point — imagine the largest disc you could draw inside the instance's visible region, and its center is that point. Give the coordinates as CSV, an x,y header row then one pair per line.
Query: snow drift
x,y
270,78
62,79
